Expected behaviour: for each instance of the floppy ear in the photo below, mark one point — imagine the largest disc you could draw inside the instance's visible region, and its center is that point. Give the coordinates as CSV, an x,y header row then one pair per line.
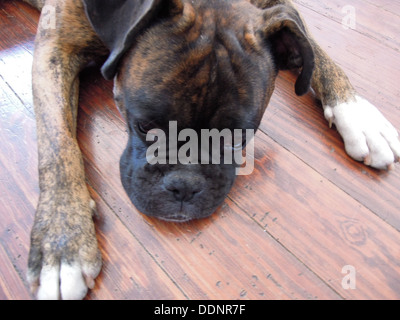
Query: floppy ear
x,y
117,23
290,46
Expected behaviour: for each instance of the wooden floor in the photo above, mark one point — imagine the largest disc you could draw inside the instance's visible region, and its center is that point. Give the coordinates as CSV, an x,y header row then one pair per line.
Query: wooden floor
x,y
285,232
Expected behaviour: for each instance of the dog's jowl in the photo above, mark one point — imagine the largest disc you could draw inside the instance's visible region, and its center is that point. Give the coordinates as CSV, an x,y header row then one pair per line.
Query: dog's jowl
x,y
201,65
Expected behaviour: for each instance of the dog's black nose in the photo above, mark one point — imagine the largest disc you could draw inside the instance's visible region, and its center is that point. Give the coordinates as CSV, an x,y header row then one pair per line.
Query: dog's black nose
x,y
184,185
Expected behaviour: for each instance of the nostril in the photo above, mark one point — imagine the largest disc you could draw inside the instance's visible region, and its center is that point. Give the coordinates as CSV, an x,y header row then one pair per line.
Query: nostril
x,y
177,193
183,194
183,188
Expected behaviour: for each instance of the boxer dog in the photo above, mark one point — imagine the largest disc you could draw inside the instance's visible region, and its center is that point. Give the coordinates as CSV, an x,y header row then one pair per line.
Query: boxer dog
x,y
203,64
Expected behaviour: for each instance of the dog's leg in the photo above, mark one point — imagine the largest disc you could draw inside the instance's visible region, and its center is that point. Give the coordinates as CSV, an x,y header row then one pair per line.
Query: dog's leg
x,y
64,258
368,136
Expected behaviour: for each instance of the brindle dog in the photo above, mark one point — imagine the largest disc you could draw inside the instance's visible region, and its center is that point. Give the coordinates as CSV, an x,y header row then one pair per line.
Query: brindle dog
x,y
205,64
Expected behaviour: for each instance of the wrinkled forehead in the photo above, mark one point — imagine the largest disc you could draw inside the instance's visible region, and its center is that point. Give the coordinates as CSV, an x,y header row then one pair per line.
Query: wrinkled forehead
x,y
208,74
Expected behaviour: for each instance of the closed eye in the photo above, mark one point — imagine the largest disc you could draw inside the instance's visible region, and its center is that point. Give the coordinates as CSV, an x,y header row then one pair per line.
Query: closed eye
x,y
144,127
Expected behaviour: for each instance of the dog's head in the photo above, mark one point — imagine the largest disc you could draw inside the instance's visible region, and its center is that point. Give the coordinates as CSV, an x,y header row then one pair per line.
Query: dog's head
x,y
198,65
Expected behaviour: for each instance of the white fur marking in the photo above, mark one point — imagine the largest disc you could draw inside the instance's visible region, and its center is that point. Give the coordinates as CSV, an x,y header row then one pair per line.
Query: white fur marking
x,y
73,286
367,134
49,283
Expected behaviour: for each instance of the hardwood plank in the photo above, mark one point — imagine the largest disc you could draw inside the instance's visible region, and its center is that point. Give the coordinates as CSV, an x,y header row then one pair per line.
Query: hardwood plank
x,y
311,140
18,176
204,258
284,233
15,121
19,25
18,136
371,66
11,286
18,156
197,256
320,224
309,137
387,5
17,34
124,208
385,32
128,272
15,69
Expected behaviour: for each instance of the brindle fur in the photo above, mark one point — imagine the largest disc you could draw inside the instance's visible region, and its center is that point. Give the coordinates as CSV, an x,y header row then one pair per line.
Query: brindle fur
x,y
63,229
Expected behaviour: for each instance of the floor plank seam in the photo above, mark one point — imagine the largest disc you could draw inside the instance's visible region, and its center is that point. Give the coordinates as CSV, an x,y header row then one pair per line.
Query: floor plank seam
x,y
371,37
323,282
137,239
326,177
17,270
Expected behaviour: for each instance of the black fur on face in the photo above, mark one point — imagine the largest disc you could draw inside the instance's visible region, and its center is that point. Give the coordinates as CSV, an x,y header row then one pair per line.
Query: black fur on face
x,y
202,72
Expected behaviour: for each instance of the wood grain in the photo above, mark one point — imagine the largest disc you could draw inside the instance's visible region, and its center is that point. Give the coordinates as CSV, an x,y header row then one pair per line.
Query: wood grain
x,y
285,232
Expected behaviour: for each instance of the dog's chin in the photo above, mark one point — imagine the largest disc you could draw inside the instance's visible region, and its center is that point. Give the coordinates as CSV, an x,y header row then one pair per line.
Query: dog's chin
x,y
150,196
176,218
180,217
173,214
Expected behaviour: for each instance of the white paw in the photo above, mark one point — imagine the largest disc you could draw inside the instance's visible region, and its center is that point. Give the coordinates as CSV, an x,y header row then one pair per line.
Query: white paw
x,y
368,136
65,281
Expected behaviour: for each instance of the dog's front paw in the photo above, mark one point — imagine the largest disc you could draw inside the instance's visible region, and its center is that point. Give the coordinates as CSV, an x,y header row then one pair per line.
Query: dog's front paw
x,y
368,136
64,258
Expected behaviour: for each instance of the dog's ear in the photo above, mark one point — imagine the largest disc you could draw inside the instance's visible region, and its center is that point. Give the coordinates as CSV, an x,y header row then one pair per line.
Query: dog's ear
x,y
291,48
118,22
